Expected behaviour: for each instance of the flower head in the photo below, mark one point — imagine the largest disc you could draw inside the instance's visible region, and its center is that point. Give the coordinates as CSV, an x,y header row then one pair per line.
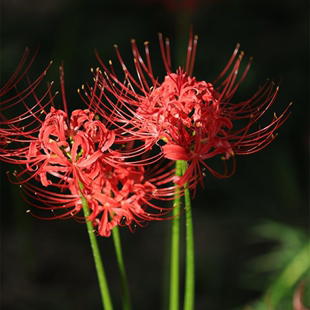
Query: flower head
x,y
189,119
72,157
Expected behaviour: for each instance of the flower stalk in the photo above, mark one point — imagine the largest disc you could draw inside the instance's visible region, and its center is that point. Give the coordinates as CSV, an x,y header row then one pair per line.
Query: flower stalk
x,y
175,246
103,285
189,297
121,266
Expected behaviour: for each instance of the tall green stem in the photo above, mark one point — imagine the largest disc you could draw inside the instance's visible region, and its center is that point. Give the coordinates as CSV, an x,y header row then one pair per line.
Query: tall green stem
x,y
189,297
103,285
121,266
175,247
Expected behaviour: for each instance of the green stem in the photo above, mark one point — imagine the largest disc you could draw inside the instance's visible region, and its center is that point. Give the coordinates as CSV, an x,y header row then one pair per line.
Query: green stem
x,y
175,246
121,266
103,285
189,297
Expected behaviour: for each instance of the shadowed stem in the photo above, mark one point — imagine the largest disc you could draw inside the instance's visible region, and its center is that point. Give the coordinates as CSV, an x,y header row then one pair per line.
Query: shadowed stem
x,y
103,285
189,297
121,266
175,246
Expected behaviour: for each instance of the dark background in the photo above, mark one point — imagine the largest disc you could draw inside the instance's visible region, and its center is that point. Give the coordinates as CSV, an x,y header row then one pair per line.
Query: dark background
x,y
247,228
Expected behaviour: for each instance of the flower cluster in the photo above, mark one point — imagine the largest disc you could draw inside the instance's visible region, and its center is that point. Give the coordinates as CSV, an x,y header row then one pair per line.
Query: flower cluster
x,y
191,120
123,161
72,157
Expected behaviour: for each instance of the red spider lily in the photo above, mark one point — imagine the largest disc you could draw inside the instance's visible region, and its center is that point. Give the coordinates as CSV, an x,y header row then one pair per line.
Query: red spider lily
x,y
72,158
194,119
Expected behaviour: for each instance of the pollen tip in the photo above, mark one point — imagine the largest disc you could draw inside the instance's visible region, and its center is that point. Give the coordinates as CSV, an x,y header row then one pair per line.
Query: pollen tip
x,y
196,37
7,172
78,90
28,211
277,88
57,92
232,153
110,62
291,103
160,34
52,83
82,86
27,49
133,40
91,70
146,42
251,58
223,158
115,45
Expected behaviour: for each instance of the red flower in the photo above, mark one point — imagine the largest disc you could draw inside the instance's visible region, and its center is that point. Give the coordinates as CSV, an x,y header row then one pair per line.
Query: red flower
x,y
195,120
72,158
